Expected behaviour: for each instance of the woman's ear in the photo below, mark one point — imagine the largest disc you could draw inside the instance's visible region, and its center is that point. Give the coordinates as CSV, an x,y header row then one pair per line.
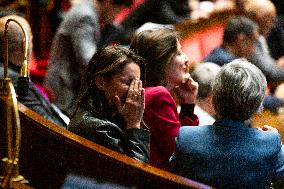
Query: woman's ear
x,y
100,81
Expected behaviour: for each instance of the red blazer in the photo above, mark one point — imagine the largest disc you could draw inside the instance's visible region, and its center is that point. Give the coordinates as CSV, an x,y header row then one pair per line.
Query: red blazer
x,y
163,121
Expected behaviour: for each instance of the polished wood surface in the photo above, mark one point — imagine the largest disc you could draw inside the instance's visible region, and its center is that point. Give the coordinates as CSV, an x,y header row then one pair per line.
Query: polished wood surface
x,y
49,153
272,119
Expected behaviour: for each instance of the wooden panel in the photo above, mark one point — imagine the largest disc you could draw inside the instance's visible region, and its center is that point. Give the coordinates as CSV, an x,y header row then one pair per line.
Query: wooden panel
x,y
269,118
49,153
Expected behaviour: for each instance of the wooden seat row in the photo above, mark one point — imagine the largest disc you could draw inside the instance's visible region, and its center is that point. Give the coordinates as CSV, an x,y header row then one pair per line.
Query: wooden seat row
x,y
49,154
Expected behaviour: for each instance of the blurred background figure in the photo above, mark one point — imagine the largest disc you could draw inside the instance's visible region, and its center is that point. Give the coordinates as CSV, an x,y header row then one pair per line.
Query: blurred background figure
x,y
204,74
241,40
158,12
34,100
270,42
74,44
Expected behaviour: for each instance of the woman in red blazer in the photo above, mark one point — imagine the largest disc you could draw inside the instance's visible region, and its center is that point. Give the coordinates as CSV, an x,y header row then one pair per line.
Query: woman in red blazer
x,y
166,74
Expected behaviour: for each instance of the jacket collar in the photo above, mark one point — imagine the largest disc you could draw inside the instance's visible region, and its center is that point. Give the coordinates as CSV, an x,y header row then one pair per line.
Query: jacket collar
x,y
232,123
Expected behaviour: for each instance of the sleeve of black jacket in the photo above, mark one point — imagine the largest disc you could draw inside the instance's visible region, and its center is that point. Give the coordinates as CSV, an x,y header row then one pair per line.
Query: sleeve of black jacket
x,y
132,142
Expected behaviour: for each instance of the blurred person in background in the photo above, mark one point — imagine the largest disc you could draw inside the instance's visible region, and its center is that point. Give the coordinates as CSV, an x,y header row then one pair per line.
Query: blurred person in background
x,y
204,74
33,100
75,42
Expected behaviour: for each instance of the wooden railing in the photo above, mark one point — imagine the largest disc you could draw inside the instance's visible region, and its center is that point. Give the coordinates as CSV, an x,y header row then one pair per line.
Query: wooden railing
x,y
49,153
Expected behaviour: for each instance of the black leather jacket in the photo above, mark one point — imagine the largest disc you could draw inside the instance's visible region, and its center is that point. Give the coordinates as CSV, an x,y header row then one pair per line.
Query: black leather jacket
x,y
109,132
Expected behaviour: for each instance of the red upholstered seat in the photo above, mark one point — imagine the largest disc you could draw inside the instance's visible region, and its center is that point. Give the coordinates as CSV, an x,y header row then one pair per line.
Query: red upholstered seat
x,y
202,43
200,37
192,48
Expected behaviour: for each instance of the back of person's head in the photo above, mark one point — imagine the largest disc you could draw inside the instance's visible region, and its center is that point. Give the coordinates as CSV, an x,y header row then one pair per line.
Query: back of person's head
x,y
157,47
15,39
106,62
238,90
263,12
204,74
239,25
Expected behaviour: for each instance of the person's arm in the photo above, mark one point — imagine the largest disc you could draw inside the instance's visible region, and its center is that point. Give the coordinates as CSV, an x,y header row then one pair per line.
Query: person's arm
x,y
138,144
266,64
36,102
162,118
187,116
280,157
177,159
132,112
134,143
187,93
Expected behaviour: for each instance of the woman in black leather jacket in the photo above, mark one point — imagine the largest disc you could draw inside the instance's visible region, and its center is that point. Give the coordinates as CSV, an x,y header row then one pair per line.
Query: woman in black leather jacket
x,y
111,103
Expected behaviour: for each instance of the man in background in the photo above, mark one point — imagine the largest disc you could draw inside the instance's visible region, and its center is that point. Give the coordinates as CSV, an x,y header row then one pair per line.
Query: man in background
x,y
75,42
33,99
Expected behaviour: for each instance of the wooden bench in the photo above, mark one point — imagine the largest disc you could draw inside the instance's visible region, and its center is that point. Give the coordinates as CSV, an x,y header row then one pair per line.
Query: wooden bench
x,y
49,153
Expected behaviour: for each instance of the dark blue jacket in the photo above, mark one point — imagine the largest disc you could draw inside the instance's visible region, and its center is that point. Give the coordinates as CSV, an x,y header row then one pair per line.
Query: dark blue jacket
x,y
229,154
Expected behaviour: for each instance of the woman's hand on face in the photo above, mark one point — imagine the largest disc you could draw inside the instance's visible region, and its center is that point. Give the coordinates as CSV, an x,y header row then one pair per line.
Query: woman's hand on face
x,y
187,91
133,109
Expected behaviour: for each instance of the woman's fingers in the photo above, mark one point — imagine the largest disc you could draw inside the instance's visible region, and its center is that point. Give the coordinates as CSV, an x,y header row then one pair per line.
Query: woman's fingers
x,y
135,89
133,108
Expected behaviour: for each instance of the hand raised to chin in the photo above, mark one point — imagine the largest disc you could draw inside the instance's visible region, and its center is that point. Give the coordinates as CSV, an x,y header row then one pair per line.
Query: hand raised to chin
x,y
187,91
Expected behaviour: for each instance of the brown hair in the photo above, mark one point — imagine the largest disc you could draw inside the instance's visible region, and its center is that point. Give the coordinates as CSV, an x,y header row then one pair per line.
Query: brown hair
x,y
157,47
106,62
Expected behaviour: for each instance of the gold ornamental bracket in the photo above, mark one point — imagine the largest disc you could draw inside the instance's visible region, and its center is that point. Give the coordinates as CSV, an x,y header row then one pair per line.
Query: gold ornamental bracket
x,y
8,94
23,79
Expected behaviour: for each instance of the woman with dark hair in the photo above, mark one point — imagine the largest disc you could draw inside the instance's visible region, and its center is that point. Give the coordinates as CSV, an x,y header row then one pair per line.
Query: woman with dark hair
x,y
166,74
111,103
